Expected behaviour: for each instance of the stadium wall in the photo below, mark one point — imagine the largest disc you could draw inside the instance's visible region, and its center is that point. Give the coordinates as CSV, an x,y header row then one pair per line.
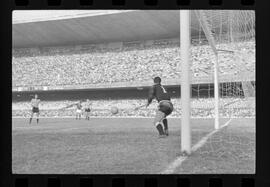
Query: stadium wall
x,y
198,91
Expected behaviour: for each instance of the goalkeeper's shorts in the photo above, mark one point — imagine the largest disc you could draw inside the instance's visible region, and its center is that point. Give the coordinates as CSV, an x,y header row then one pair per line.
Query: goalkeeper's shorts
x,y
166,107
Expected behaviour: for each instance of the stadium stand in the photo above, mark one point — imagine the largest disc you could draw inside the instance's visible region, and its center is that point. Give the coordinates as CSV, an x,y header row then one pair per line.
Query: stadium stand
x,y
128,62
80,65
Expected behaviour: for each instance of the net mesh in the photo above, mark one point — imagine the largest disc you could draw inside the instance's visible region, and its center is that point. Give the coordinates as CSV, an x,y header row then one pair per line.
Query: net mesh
x,y
228,35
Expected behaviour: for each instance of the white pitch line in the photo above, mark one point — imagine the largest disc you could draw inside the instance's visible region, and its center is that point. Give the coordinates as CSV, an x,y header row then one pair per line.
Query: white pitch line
x,y
176,163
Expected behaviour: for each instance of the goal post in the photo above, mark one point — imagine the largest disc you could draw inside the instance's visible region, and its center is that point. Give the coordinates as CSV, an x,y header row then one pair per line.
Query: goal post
x,y
185,81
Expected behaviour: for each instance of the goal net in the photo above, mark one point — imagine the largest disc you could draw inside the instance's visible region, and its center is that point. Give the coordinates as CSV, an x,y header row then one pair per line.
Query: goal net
x,y
223,40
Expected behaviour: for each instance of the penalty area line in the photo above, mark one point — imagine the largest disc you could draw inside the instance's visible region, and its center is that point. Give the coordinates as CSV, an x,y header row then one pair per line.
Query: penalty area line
x,y
178,161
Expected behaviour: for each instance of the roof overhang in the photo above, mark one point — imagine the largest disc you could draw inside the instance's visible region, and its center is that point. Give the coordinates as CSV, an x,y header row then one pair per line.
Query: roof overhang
x,y
98,27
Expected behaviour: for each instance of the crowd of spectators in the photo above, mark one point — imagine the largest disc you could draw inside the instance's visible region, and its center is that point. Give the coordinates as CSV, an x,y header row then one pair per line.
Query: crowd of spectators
x,y
90,65
202,107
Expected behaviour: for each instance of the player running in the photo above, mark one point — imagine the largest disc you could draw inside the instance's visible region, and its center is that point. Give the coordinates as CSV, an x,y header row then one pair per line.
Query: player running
x,y
87,109
165,107
35,108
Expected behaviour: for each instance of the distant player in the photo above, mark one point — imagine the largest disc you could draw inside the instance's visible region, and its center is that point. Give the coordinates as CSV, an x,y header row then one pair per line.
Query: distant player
x,y
35,108
165,107
87,109
79,110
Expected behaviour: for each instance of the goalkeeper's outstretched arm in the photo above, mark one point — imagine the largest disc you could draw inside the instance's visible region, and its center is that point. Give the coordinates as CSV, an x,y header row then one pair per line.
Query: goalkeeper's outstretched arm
x,y
151,96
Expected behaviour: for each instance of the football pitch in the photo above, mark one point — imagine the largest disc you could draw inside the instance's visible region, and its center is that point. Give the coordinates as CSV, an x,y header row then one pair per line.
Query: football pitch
x,y
129,146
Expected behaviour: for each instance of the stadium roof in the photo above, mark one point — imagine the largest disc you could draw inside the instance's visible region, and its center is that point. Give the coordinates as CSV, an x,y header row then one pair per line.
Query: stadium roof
x,y
47,28
72,27
27,16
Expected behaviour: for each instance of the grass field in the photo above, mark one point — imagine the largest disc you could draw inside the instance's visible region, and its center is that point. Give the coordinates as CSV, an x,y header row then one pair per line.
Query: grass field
x,y
128,146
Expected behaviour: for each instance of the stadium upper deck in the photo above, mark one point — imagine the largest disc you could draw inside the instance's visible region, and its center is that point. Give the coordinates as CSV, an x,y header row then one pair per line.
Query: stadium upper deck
x,y
128,65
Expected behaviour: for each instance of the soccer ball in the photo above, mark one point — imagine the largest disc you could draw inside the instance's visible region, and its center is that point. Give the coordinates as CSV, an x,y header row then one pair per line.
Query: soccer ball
x,y
114,110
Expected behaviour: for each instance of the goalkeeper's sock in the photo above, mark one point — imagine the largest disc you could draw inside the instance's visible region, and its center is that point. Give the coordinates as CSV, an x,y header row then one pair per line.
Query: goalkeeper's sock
x,y
30,120
160,129
165,123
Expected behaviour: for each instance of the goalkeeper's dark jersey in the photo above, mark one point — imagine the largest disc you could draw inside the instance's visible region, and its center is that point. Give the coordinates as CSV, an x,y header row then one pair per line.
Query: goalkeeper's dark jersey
x,y
158,91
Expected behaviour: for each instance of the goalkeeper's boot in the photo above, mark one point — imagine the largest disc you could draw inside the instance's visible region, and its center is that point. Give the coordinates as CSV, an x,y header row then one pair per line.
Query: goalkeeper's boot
x,y
162,136
160,130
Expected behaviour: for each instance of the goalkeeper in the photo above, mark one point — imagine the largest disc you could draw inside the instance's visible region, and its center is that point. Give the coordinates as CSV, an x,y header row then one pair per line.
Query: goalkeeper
x,y
165,107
